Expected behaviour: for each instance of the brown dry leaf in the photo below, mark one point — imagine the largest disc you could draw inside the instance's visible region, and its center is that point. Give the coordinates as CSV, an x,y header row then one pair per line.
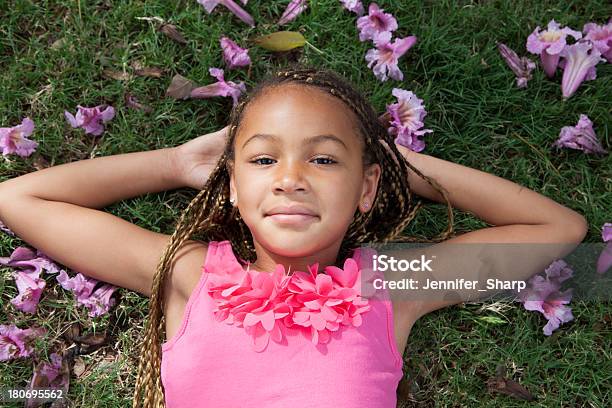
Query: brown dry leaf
x,y
180,87
57,44
120,76
171,31
79,367
149,72
281,41
504,385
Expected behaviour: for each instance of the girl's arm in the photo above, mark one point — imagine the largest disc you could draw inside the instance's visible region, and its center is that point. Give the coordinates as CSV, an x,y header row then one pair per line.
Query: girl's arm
x,y
55,211
519,215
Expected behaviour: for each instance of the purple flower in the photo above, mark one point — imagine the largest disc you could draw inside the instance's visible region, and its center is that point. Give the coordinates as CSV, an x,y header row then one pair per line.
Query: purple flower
x,y
220,88
387,54
353,5
549,44
521,67
376,22
16,342
13,139
580,137
233,55
50,376
6,229
98,301
28,280
601,37
209,6
578,66
295,8
543,295
91,119
605,258
30,287
407,120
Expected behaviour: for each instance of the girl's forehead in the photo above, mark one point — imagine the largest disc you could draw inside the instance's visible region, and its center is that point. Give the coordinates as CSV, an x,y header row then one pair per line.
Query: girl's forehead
x,y
297,112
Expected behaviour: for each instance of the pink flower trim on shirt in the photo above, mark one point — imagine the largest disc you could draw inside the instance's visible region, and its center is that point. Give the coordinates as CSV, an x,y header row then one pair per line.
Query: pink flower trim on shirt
x,y
266,304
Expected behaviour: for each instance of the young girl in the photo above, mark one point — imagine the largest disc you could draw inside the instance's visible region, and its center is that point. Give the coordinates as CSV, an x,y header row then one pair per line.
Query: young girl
x,y
264,309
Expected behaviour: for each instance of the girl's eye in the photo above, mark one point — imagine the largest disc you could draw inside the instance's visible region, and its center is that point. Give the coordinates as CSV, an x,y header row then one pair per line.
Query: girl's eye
x,y
331,161
261,158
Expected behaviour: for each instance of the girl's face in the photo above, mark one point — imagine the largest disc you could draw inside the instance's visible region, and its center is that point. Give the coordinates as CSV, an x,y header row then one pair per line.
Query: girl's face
x,y
281,159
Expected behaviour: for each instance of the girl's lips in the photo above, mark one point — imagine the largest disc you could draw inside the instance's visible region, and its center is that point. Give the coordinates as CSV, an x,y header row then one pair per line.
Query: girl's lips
x,y
292,219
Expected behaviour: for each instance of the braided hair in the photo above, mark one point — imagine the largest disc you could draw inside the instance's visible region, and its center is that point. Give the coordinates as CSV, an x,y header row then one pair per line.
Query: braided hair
x,y
211,216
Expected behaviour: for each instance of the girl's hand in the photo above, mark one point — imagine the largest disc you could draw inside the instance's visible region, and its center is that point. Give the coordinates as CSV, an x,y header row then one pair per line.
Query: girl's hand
x,y
197,158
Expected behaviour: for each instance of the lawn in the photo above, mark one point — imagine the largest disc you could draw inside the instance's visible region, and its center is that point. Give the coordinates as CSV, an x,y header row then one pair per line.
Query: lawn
x,y
53,55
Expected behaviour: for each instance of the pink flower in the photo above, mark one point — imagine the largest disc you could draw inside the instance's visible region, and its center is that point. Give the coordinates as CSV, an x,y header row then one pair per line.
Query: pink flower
x,y
543,295
578,66
6,229
407,116
580,137
98,301
521,67
30,287
209,6
220,88
266,304
91,119
353,5
29,283
233,55
601,37
375,23
49,376
295,8
387,54
605,258
13,139
549,44
16,342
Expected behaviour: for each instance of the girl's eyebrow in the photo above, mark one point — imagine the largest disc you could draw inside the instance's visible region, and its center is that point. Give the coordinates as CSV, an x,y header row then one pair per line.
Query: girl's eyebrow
x,y
309,141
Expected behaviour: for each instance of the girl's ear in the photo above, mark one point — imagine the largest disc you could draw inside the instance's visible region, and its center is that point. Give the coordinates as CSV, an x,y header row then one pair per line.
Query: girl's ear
x,y
371,177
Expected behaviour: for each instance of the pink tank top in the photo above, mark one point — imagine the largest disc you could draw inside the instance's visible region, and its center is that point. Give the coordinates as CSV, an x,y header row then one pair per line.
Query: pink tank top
x,y
241,345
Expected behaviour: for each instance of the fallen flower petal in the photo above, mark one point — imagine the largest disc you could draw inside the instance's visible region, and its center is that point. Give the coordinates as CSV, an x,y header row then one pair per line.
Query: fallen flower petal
x,y
294,9
16,342
549,44
580,137
387,54
601,37
98,301
542,294
5,228
521,67
25,258
604,262
131,102
375,23
407,116
13,140
579,66
220,88
209,6
30,287
353,5
233,55
91,119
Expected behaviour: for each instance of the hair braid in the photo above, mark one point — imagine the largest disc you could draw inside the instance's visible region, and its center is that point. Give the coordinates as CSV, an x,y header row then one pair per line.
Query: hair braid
x,y
210,215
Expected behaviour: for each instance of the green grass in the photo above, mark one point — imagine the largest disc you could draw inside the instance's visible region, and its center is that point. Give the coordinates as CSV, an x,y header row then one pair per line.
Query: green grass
x,y
480,119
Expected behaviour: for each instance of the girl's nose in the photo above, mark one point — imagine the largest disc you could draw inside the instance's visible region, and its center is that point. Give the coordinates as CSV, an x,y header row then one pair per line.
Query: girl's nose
x,y
289,177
